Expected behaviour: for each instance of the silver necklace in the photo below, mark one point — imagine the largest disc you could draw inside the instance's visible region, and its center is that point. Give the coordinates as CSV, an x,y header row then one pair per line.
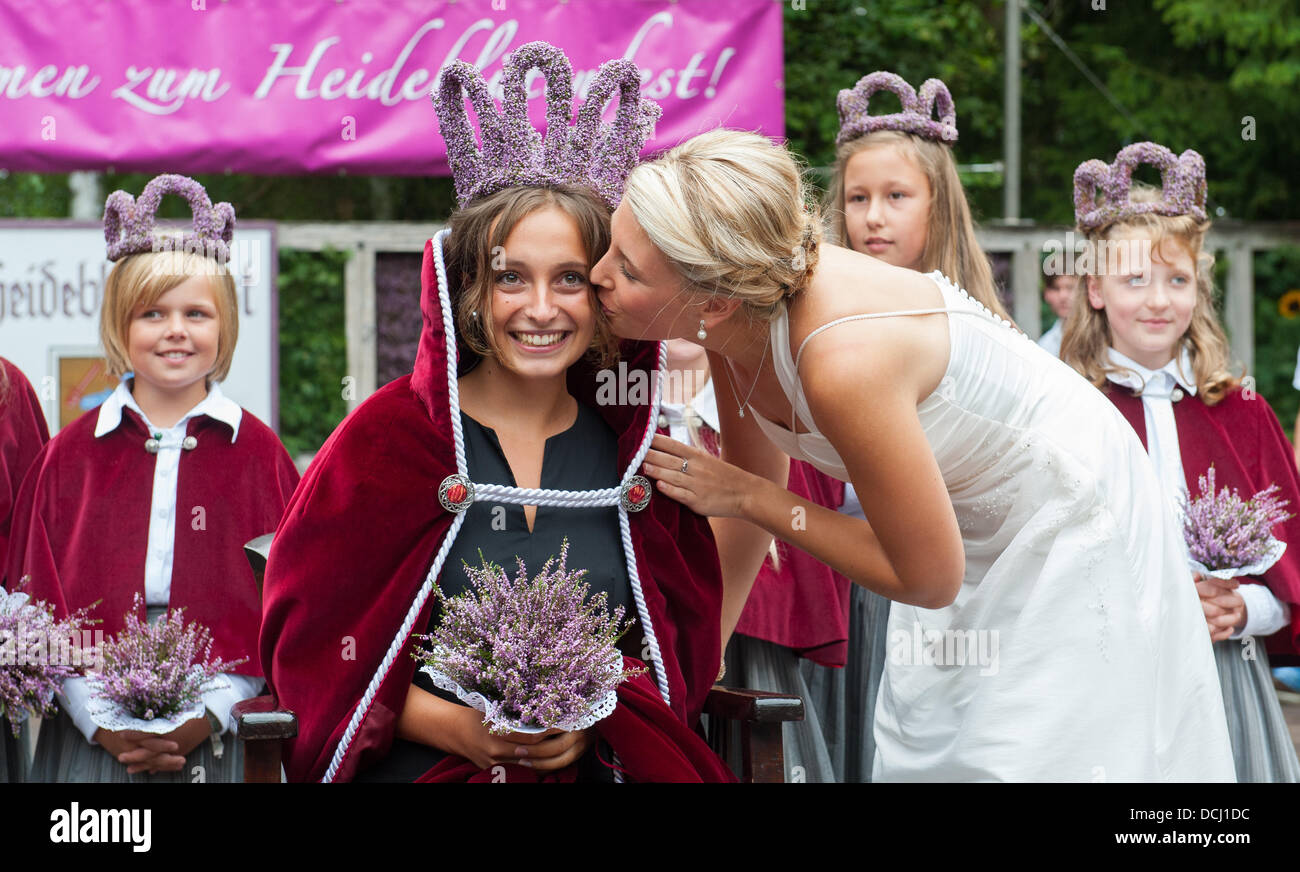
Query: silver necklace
x,y
732,384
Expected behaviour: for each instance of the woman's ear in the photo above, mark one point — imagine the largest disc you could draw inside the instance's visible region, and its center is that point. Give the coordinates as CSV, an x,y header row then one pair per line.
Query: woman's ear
x,y
1094,292
715,309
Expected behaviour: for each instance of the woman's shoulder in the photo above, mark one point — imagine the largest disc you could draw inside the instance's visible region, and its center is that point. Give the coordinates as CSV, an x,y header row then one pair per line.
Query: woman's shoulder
x,y
825,324
850,283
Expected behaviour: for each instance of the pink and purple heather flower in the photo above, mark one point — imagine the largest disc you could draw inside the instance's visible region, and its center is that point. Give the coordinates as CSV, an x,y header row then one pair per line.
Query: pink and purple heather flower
x,y
156,670
1225,532
540,652
34,655
1182,182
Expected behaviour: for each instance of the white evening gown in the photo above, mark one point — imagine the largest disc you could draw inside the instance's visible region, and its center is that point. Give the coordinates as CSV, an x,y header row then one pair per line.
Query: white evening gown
x,y
1075,571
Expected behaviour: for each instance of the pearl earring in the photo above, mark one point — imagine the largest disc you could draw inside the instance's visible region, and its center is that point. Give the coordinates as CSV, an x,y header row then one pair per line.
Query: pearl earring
x,y
701,335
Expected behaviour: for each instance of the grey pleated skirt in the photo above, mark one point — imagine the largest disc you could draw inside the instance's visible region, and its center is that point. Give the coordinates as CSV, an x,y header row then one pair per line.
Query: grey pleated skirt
x,y
845,699
14,752
1261,741
64,756
756,664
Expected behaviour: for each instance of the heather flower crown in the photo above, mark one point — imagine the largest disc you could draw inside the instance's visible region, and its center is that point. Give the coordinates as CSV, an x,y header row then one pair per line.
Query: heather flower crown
x,y
1182,180
592,153
129,223
918,115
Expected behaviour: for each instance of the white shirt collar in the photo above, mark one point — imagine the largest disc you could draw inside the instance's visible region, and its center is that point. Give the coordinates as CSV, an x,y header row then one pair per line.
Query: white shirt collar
x,y
704,403
1136,376
215,405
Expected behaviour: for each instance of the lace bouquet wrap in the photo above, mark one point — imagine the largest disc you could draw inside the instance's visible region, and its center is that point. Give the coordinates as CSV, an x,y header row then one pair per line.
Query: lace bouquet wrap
x,y
152,676
1230,537
531,655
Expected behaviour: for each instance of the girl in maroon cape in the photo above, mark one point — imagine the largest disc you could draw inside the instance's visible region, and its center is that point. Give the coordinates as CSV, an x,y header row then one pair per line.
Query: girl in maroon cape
x,y
1148,336
503,395
22,435
155,492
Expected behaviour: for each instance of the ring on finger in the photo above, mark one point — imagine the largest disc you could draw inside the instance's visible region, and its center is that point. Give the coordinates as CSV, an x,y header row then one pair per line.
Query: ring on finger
x,y
685,463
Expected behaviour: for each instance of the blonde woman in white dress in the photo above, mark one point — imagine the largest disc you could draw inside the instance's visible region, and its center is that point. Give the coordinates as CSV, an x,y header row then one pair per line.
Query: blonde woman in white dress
x,y
1044,629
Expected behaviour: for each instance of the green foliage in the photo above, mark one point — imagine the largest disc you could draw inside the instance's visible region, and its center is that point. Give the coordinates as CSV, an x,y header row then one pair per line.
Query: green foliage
x,y
1277,337
831,44
28,195
1187,73
313,351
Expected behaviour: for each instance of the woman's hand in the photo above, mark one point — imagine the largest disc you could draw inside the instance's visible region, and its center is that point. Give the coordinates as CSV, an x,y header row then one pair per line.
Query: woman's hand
x,y
470,738
708,486
1225,609
459,730
148,752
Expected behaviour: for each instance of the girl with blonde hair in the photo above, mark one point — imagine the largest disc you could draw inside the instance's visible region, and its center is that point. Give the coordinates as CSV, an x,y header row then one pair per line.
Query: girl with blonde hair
x,y
896,196
1146,333
1041,627
154,494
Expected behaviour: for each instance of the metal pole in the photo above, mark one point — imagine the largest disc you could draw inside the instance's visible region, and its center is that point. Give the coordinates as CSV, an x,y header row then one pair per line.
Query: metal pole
x,y
87,196
1011,114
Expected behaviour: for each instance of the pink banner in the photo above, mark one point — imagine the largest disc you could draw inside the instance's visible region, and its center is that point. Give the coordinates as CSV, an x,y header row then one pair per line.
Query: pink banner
x,y
287,86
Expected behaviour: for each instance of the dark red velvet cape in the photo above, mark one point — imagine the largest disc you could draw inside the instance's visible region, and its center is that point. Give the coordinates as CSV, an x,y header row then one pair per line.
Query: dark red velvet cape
x,y
1242,437
362,531
81,526
22,435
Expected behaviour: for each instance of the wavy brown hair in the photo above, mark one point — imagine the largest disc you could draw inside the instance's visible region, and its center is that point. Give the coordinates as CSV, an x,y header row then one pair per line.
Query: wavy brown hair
x,y
479,233
1087,331
950,243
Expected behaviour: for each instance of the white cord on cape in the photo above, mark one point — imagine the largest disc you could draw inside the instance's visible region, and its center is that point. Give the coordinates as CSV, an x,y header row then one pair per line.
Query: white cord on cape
x,y
517,496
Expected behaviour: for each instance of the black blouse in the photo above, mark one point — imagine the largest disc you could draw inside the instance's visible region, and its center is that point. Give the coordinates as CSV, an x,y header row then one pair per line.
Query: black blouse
x,y
584,457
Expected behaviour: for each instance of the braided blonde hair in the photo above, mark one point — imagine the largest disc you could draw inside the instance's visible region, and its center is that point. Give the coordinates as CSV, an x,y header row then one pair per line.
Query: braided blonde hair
x,y
730,211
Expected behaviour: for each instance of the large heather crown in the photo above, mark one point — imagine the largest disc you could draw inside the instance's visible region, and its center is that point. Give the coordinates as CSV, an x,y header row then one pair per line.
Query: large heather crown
x,y
918,115
590,152
1182,182
129,224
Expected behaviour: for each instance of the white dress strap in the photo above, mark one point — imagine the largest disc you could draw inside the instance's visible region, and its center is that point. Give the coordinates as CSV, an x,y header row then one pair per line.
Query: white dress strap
x,y
863,317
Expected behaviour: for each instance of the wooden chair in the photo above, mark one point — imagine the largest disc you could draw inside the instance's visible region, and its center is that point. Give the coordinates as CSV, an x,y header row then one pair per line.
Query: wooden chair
x,y
262,725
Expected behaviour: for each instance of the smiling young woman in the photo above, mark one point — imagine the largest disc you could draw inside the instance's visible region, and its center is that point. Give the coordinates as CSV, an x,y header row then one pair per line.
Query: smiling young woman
x,y
504,394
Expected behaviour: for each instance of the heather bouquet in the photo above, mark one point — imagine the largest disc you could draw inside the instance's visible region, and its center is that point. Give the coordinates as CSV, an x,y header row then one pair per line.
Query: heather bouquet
x,y
532,655
152,676
1230,537
37,653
